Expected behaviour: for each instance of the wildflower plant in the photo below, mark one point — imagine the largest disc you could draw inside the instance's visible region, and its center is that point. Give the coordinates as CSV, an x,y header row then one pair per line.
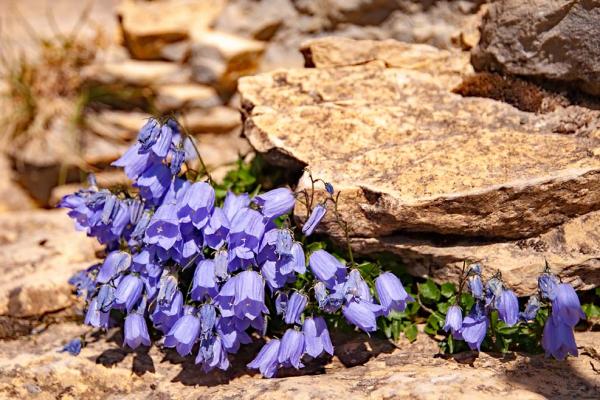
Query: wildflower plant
x,y
199,266
205,268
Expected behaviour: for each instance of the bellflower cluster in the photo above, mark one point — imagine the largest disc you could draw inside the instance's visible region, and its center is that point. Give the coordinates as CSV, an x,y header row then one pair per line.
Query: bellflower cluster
x,y
558,339
184,265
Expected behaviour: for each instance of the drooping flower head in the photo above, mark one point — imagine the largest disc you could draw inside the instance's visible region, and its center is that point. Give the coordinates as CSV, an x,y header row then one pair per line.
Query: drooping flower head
x,y
392,295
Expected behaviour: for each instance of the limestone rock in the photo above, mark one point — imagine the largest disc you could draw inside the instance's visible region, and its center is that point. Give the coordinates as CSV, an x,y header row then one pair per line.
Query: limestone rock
x,y
39,251
360,370
212,120
255,19
147,27
136,73
12,196
447,65
543,39
185,96
412,159
571,249
220,58
116,125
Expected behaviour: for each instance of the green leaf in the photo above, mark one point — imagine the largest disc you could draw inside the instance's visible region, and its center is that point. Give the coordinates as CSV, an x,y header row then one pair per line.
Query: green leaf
x,y
448,289
591,310
429,291
443,307
597,291
411,332
507,330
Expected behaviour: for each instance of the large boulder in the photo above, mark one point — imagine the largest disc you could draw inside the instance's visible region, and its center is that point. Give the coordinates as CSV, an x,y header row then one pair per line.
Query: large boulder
x,y
415,161
553,40
39,251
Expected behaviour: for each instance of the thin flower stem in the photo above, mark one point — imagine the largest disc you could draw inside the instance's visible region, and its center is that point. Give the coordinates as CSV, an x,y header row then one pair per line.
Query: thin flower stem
x,y
193,142
344,226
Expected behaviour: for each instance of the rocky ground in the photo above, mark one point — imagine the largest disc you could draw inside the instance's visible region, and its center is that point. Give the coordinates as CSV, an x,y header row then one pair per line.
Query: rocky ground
x,y
444,148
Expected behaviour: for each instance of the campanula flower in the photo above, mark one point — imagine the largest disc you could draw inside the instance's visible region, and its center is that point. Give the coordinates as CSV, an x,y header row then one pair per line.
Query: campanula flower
x,y
177,160
129,292
281,301
565,306
249,295
314,219
291,349
531,309
217,230
221,261
154,182
316,337
295,307
196,204
116,262
454,319
276,202
547,284
166,314
231,335
363,314
247,229
208,319
392,295
184,333
558,339
212,354
136,330
476,286
204,284
329,187
163,229
73,347
266,360
507,305
474,328
95,316
284,242
233,203
326,268
134,162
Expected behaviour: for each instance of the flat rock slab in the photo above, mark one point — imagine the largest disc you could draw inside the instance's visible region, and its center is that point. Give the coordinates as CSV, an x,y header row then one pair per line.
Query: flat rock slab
x,y
39,251
411,158
103,370
573,249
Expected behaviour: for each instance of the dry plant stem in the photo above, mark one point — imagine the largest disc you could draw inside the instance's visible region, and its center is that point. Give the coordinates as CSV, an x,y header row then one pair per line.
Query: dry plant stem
x,y
193,142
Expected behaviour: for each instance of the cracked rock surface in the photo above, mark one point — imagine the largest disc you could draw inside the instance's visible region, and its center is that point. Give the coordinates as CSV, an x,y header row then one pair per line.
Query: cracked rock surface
x,y
426,173
360,370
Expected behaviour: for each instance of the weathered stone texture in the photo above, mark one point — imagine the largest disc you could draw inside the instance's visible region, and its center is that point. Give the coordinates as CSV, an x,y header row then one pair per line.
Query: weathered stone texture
x,y
412,158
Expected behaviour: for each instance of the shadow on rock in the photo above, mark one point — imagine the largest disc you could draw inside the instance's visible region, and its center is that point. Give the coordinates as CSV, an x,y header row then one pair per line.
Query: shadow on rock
x,y
540,375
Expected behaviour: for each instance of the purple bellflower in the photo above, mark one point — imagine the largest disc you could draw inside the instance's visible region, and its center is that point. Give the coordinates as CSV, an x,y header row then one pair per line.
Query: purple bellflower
x,y
314,219
128,292
276,202
565,306
327,268
392,295
197,204
316,337
249,295
266,360
507,305
204,284
294,308
291,349
184,333
454,319
558,339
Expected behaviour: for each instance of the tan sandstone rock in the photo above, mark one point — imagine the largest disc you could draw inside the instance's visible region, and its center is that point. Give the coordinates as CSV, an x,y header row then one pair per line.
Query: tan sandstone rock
x,y
411,158
177,97
373,369
39,251
147,27
220,58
